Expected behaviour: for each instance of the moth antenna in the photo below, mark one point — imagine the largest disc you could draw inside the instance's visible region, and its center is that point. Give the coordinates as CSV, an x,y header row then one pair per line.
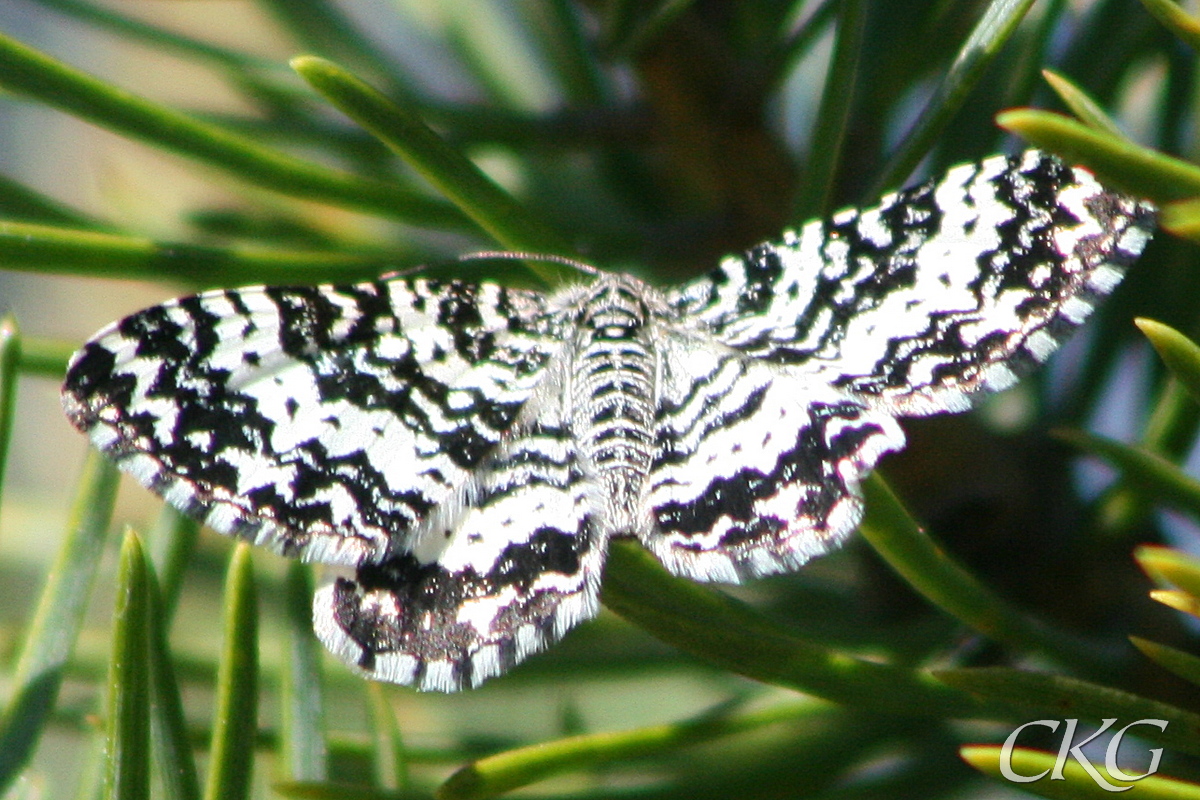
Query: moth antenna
x,y
507,255
523,255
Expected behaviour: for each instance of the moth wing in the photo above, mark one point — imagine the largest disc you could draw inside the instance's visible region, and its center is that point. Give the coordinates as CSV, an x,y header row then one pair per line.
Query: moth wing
x,y
323,422
941,290
499,573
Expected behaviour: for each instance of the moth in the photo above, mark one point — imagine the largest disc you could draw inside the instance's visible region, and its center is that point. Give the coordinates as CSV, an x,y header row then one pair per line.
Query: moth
x,y
469,450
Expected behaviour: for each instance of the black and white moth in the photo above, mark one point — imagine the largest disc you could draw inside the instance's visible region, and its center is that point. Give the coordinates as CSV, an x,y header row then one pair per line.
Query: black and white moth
x,y
469,450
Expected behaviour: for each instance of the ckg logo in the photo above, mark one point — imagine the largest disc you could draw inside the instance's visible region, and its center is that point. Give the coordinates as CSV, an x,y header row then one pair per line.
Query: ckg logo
x,y
1070,749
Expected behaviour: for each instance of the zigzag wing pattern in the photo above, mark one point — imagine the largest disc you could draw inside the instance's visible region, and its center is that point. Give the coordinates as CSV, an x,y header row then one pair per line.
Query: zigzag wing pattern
x,y
499,573
756,472
941,290
324,422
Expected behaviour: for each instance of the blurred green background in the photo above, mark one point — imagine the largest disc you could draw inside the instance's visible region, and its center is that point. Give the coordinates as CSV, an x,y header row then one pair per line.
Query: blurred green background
x,y
649,137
